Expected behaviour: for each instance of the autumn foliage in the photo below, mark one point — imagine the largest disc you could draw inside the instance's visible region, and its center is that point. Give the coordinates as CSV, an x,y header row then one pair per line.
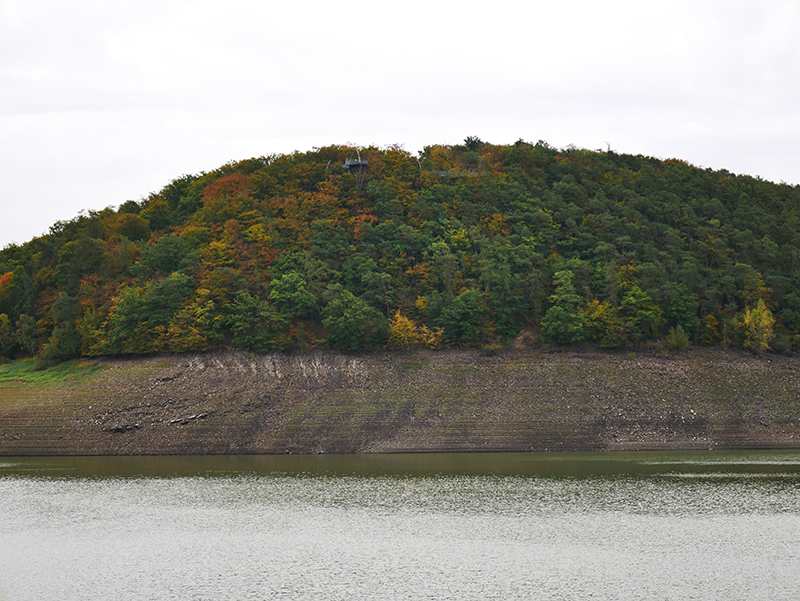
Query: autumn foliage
x,y
462,245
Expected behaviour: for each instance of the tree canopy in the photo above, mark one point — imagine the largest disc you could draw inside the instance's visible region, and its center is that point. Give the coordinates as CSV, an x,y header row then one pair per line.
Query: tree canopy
x,y
471,244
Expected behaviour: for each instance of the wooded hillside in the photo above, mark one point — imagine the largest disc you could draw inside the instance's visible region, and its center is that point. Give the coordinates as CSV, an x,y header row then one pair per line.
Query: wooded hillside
x,y
468,245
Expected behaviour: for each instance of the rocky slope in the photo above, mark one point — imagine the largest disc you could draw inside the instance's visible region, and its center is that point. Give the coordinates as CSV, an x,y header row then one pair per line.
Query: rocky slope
x,y
232,402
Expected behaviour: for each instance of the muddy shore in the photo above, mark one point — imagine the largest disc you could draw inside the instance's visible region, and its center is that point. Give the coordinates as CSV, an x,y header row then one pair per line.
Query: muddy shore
x,y
230,402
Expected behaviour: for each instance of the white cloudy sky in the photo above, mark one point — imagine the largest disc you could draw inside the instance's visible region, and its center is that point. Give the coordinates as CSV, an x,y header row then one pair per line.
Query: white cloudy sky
x,y
108,100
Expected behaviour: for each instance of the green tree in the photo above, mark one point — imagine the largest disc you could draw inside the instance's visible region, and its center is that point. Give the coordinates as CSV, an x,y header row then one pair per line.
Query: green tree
x,y
352,324
256,323
681,310
445,265
463,321
379,288
564,321
290,292
473,142
328,241
79,258
65,342
314,272
157,213
642,313
8,341
27,336
167,254
507,277
141,316
677,339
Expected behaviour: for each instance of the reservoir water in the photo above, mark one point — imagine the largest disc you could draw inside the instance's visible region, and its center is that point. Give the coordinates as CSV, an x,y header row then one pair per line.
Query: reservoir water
x,y
661,526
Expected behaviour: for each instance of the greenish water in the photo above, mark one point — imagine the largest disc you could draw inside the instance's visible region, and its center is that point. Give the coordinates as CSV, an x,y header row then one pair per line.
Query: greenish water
x,y
692,525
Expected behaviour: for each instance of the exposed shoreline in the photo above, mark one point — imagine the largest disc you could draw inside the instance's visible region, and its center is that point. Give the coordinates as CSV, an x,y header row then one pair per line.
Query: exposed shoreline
x,y
229,402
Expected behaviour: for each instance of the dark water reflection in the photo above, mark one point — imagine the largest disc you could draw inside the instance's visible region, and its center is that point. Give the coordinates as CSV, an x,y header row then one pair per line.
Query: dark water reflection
x,y
646,463
710,525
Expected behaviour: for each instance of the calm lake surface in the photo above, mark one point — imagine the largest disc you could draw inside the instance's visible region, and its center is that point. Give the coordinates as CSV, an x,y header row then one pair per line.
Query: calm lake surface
x,y
690,525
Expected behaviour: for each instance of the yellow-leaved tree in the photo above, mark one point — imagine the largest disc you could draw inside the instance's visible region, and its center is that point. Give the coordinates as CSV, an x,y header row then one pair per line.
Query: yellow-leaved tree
x,y
758,325
405,334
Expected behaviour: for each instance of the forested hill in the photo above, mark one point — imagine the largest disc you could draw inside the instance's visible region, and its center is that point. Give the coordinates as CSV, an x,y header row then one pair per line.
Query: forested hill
x,y
467,245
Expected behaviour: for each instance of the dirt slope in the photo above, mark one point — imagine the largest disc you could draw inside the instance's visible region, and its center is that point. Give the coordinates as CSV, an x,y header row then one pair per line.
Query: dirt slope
x,y
232,402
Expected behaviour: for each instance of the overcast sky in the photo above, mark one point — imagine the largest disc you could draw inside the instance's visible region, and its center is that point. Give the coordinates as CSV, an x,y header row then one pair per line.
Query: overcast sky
x,y
106,101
